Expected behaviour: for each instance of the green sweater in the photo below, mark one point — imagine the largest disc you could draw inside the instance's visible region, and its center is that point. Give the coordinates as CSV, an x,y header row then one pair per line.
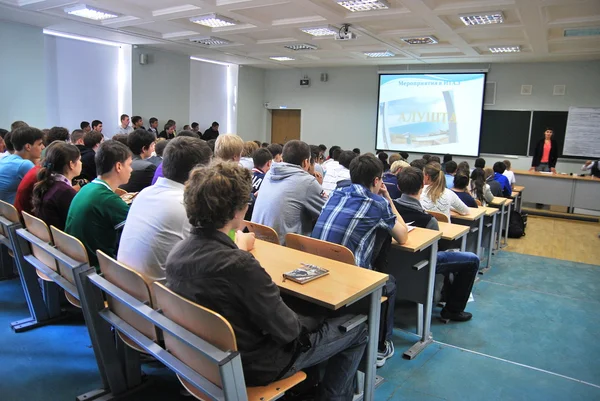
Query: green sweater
x,y
95,216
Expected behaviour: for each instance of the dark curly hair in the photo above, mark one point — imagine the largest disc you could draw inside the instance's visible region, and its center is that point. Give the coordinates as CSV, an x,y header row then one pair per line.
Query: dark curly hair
x,y
214,193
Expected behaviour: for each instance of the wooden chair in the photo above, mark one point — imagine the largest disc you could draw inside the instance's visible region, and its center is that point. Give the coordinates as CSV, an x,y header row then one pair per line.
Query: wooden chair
x,y
478,202
134,284
216,330
438,216
74,249
10,213
39,228
319,247
262,232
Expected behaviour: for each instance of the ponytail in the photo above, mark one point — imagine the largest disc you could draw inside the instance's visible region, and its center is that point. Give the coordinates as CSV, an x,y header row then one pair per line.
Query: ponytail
x,y
438,181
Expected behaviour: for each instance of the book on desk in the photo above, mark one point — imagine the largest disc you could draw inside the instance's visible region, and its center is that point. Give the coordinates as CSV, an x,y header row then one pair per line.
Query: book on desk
x,y
305,273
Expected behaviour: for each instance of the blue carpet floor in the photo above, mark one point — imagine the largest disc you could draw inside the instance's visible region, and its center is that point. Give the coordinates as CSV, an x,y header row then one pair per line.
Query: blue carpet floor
x,y
534,336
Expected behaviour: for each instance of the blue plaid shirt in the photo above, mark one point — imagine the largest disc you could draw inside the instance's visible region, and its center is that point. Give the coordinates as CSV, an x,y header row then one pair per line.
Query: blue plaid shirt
x,y
351,218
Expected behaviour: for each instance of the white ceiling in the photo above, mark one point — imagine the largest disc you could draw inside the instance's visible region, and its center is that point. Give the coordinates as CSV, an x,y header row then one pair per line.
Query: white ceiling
x,y
267,25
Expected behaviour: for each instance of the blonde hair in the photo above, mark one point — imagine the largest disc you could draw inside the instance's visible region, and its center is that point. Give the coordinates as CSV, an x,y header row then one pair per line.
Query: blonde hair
x,y
228,146
249,148
488,172
398,165
438,181
507,164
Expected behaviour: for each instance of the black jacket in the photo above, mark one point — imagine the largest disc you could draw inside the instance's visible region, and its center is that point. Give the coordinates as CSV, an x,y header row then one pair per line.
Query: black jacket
x,y
141,176
411,210
539,151
209,269
210,134
495,187
88,163
164,134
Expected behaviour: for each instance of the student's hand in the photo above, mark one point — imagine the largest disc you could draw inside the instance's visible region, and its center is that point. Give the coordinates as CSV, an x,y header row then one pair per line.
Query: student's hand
x,y
384,192
319,177
76,187
553,170
532,169
587,163
244,241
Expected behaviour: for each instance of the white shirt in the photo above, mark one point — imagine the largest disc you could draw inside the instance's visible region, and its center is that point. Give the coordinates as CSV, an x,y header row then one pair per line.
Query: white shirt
x,y
333,176
247,162
330,163
511,177
448,201
156,222
125,130
4,154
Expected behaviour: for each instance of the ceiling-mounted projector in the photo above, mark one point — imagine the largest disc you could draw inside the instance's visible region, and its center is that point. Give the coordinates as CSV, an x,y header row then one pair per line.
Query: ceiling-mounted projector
x,y
345,34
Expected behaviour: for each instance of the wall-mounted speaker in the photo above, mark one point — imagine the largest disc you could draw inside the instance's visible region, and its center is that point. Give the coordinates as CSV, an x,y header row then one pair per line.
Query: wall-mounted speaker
x,y
143,59
324,77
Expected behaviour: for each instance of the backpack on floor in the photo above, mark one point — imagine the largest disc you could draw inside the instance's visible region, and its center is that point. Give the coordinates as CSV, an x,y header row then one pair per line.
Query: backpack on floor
x,y
516,227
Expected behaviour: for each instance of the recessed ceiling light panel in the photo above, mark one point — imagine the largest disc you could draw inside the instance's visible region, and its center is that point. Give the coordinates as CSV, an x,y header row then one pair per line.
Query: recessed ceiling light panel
x,y
83,11
383,53
505,49
495,17
213,21
574,32
281,58
422,40
327,30
211,41
301,46
364,5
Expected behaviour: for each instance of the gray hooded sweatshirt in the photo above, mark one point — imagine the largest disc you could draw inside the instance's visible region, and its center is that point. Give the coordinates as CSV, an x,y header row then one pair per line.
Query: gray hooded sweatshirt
x,y
288,201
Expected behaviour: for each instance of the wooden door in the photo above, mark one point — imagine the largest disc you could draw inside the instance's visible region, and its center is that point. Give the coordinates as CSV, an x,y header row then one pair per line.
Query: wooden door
x,y
285,125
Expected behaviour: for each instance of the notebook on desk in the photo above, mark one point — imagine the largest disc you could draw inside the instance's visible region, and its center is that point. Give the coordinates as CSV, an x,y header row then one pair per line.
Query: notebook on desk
x,y
305,273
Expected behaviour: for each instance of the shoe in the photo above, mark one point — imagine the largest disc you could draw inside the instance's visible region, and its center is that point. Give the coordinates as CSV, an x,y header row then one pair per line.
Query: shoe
x,y
457,317
388,352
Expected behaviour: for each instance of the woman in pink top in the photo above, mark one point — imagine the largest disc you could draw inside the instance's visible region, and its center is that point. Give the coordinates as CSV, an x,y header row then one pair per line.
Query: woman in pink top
x,y
545,155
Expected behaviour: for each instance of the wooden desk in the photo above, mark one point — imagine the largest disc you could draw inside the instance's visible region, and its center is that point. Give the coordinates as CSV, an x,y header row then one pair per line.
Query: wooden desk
x,y
413,266
489,232
519,197
508,204
475,222
499,203
344,285
451,234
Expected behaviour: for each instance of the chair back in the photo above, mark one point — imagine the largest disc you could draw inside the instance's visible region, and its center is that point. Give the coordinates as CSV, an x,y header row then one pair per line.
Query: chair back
x,y
132,283
204,323
262,232
39,228
10,213
321,248
439,216
74,249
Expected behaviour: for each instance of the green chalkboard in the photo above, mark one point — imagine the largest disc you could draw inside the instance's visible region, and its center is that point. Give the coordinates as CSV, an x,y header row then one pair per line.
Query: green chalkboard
x,y
505,132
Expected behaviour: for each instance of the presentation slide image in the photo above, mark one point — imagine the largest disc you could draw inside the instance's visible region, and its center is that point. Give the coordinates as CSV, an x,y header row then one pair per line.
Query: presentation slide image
x,y
430,113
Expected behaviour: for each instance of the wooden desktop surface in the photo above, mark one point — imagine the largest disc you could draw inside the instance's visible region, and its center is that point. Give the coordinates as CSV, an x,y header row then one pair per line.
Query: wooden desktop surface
x,y
344,283
490,211
498,201
419,239
557,176
474,214
518,188
514,194
451,231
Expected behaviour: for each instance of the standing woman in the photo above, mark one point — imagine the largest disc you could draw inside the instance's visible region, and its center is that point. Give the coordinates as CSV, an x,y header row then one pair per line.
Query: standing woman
x,y
545,155
53,192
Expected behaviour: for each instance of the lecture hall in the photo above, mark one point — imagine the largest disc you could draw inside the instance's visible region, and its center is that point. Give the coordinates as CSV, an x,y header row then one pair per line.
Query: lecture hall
x,y
300,200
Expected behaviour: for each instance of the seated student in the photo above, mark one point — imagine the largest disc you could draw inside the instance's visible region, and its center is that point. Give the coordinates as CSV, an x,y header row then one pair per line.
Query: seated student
x,y
330,159
53,192
495,187
435,159
479,163
97,213
290,198
159,173
447,158
318,160
338,173
157,219
463,265
393,159
262,159
159,149
499,169
384,159
593,167
276,150
28,144
465,168
141,143
25,190
479,189
3,149
121,138
389,178
209,268
436,197
91,142
229,147
451,168
169,131
418,163
461,183
249,148
404,156
508,173
331,165
352,217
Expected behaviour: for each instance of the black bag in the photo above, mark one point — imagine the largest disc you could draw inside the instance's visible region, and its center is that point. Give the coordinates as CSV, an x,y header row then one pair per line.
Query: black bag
x,y
516,227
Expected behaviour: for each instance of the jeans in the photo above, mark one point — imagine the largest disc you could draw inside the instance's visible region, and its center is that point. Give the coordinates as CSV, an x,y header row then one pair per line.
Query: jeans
x,y
543,167
342,352
464,266
383,243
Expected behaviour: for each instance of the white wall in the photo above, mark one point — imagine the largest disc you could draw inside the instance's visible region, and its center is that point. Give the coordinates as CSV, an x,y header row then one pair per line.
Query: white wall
x,y
251,112
22,75
161,88
343,111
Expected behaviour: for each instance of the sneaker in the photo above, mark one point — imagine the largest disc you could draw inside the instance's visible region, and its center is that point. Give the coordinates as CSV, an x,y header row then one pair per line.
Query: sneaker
x,y
457,317
388,352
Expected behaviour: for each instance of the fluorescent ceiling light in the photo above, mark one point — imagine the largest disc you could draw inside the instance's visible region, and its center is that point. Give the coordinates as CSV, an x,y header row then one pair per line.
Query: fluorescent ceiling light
x,y
81,38
505,49
573,32
301,46
211,41
83,11
209,61
424,40
495,17
282,58
327,30
213,21
384,53
364,5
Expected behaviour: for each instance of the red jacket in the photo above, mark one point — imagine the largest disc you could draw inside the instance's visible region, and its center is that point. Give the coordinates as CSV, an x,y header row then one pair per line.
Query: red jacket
x,y
25,191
